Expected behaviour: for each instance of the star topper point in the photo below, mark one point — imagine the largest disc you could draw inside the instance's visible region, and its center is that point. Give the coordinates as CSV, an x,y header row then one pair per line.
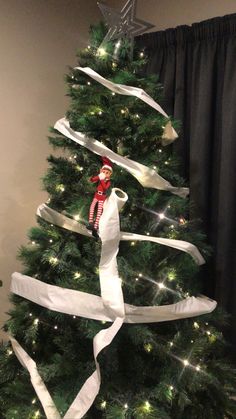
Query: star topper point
x,y
123,23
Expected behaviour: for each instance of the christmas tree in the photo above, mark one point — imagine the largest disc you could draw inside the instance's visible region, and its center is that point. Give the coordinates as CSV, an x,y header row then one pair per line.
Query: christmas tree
x,y
163,356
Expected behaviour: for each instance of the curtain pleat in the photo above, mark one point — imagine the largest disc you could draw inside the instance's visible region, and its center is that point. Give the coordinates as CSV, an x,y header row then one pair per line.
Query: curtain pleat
x,y
197,67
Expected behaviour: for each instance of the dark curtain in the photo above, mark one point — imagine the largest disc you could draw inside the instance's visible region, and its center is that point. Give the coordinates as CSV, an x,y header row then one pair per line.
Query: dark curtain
x,y
197,66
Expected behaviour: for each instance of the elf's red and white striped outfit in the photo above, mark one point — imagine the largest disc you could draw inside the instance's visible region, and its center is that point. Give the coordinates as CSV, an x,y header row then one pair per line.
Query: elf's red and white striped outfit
x,y
99,198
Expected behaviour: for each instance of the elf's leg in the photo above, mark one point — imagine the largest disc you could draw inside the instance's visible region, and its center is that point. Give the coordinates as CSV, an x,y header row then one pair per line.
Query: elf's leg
x,y
99,213
91,213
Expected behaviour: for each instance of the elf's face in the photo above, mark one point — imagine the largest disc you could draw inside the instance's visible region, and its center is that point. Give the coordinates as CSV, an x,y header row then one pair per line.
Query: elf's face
x,y
106,172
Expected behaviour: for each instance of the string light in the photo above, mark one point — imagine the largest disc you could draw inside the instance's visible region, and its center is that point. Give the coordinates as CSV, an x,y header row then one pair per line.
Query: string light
x,y
88,83
160,150
196,325
55,327
161,216
89,46
148,347
77,275
141,54
208,332
9,352
147,406
166,162
113,94
101,52
136,279
103,404
185,362
171,388
60,188
53,260
33,401
126,406
133,243
122,111
30,314
161,285
79,168
148,234
197,368
140,275
36,321
171,275
74,317
50,241
171,344
33,243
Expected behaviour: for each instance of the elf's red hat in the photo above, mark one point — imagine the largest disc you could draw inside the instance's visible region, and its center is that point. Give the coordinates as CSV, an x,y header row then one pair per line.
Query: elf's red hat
x,y
106,163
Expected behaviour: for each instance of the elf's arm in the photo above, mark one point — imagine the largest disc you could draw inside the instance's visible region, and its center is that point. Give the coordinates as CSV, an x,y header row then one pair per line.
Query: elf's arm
x,y
94,179
105,185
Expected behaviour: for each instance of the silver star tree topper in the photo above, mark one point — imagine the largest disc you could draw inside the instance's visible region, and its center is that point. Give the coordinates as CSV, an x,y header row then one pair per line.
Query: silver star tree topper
x,y
123,23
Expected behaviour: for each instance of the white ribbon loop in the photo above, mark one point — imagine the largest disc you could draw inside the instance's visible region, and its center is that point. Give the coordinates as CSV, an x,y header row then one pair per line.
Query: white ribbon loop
x,y
147,177
169,134
61,220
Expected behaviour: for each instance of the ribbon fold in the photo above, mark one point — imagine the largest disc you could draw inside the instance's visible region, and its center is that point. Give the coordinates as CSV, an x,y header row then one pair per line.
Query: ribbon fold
x,y
146,176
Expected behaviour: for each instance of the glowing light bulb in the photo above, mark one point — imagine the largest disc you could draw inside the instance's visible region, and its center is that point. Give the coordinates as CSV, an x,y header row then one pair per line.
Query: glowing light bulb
x,y
9,352
102,52
160,150
33,401
161,285
171,275
196,325
148,347
197,368
171,344
147,406
30,314
53,260
88,83
208,332
50,241
33,242
60,188
140,274
132,243
122,111
136,279
89,46
141,54
55,327
185,362
113,94
103,404
171,388
77,275
36,321
74,317
148,234
161,216
126,406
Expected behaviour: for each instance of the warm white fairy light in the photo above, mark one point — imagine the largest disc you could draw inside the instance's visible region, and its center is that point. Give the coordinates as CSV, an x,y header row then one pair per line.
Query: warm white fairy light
x,y
33,242
126,406
185,362
140,274
113,94
79,168
30,314
154,167
122,111
148,347
55,327
89,46
171,388
192,341
160,150
60,188
161,285
33,401
137,115
136,279
133,243
36,321
103,404
171,343
37,414
75,157
100,113
77,275
9,352
197,368
161,216
208,332
196,325
102,52
50,241
147,406
166,162
74,317
88,83
53,260
141,54
148,234
172,226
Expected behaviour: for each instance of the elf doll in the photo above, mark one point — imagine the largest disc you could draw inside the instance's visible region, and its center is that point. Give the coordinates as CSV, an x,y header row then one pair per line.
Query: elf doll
x,y
100,196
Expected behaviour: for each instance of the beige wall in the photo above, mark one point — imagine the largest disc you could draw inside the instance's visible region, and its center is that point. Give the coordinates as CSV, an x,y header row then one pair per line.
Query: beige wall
x,y
38,39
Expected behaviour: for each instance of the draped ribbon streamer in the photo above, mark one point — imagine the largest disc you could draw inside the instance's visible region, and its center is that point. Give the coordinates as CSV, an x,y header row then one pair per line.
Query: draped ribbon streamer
x,y
37,382
169,134
82,304
109,306
112,297
146,176
54,217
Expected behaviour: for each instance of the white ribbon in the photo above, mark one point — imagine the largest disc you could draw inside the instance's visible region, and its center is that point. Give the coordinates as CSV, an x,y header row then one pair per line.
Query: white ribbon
x,y
37,382
82,304
146,176
110,306
169,134
54,217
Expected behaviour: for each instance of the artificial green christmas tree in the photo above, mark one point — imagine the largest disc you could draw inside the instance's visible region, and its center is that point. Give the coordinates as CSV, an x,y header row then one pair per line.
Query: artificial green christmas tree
x,y
163,369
